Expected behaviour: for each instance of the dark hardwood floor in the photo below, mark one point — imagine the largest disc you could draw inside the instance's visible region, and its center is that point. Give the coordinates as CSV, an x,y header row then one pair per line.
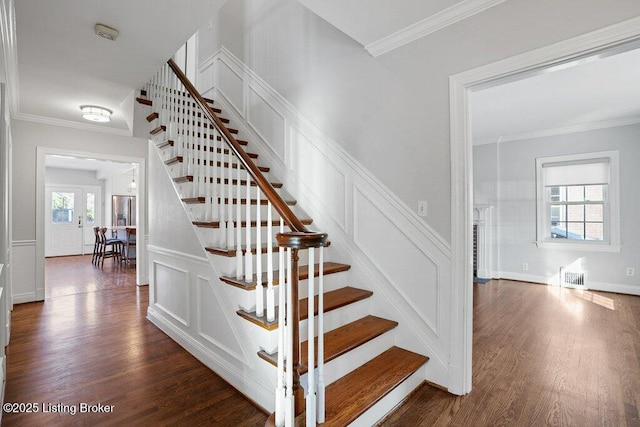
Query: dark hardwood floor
x,y
90,342
542,356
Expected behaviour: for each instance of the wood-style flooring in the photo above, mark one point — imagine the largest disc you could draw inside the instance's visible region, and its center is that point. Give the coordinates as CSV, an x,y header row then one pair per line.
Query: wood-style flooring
x,y
90,342
542,356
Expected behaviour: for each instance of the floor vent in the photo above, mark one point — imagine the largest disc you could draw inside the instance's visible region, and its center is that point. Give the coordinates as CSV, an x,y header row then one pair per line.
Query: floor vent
x,y
571,278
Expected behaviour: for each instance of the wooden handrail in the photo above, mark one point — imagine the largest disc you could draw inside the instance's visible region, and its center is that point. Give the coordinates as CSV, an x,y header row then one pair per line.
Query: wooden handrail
x,y
292,221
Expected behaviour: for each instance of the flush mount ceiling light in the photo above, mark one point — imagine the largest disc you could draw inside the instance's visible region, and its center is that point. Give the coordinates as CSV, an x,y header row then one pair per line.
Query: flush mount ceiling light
x,y
95,114
106,32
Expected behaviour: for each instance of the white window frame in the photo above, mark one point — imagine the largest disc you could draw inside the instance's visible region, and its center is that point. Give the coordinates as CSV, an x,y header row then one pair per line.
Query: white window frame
x,y
612,206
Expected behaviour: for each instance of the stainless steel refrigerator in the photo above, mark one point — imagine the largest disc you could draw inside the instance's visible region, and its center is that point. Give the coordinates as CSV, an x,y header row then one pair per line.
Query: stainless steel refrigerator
x,y
124,210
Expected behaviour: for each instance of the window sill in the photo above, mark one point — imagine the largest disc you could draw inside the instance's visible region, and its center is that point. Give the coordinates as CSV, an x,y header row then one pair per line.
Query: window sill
x,y
587,247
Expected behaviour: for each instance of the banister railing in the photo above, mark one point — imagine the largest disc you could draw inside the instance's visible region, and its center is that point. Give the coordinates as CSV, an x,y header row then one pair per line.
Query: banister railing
x,y
278,204
220,173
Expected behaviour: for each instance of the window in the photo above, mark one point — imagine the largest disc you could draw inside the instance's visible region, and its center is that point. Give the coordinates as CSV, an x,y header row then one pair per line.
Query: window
x,y
62,207
91,208
578,202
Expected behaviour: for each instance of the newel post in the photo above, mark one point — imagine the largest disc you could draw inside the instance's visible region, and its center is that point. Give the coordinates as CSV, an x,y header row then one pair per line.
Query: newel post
x,y
296,241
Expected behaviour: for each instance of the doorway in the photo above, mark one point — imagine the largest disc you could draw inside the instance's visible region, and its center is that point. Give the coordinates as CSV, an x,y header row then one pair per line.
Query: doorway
x,y
461,86
99,197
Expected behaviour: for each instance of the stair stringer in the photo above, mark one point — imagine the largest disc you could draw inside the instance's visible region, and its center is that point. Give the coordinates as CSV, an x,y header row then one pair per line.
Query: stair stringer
x,y
177,258
395,295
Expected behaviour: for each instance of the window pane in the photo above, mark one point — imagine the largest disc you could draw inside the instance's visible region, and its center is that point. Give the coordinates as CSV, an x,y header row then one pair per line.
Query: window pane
x,y
62,207
559,231
595,231
557,193
575,193
575,231
91,208
594,193
575,212
594,213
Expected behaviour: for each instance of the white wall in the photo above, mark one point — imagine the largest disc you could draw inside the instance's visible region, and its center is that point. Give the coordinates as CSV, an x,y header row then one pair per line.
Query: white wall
x,y
5,233
395,106
504,175
28,137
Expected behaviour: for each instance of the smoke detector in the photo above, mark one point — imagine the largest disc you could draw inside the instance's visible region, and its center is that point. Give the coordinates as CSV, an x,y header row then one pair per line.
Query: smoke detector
x,y
106,32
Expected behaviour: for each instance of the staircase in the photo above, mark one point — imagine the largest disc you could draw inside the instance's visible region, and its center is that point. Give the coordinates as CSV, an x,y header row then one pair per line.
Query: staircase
x,y
237,222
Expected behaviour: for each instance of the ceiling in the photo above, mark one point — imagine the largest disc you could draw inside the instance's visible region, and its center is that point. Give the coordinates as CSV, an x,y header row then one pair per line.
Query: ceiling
x,y
103,168
382,25
63,64
594,92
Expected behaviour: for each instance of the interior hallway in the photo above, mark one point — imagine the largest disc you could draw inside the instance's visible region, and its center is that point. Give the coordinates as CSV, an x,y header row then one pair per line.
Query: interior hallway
x,y
542,356
90,342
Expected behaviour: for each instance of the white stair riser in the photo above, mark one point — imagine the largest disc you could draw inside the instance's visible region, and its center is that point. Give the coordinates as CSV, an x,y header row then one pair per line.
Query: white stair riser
x,y
348,362
247,299
335,318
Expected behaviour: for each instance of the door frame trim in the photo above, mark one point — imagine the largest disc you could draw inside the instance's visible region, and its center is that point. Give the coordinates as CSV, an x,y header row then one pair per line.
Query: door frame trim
x,y
41,153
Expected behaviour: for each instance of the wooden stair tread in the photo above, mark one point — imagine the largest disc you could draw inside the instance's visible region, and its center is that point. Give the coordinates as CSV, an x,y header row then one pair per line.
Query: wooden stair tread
x,y
234,201
171,143
216,224
332,301
180,159
341,340
350,396
232,252
219,150
328,268
243,182
144,101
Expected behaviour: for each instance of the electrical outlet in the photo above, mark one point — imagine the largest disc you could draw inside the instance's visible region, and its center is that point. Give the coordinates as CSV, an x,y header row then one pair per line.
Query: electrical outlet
x,y
631,271
525,266
422,208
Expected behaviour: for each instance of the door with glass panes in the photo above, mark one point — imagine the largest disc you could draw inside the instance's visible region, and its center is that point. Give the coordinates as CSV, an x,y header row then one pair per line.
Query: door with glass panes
x,y
71,214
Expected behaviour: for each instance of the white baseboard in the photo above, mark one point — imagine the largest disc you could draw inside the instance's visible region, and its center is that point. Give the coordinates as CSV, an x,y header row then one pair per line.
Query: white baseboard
x,y
592,286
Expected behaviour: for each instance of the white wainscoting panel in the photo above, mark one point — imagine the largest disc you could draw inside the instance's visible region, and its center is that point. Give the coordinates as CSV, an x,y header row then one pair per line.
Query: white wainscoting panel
x,y
233,84
399,259
266,121
324,181
24,272
212,321
392,251
172,291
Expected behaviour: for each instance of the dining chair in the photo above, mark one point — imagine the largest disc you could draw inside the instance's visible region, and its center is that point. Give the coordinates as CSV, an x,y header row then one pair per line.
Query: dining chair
x,y
110,248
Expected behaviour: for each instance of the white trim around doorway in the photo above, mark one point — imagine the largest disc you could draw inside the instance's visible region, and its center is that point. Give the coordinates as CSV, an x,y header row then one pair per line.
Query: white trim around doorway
x,y
41,154
460,86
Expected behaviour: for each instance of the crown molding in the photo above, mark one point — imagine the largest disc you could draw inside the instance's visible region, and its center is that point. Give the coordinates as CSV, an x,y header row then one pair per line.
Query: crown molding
x,y
71,124
8,43
583,127
440,20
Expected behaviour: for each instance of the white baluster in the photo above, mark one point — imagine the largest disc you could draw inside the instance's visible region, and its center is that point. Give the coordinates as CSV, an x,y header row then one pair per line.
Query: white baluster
x,y
239,263
282,328
218,164
214,175
206,171
271,310
259,285
321,386
230,233
311,409
248,259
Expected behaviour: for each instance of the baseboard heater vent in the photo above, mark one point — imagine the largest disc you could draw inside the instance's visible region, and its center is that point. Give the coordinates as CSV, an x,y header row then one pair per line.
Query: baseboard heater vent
x,y
572,279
